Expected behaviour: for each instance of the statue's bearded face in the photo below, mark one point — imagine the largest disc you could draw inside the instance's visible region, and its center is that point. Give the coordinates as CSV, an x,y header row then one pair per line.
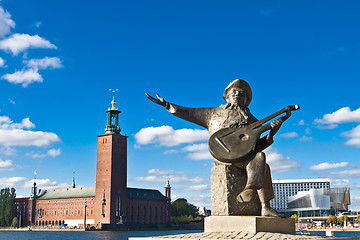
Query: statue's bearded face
x,y
236,96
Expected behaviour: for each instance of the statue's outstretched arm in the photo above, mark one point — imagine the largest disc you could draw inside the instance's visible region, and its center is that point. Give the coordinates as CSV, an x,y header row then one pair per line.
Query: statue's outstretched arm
x,y
199,116
159,100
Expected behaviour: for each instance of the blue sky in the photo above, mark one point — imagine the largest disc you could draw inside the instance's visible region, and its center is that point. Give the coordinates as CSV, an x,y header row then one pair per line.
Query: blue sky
x,y
59,59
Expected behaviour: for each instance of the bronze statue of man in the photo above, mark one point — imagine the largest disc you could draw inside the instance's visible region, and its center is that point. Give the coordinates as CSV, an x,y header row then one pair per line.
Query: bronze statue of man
x,y
235,113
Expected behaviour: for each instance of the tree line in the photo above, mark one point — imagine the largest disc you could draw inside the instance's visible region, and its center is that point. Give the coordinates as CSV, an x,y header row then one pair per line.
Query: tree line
x,y
331,219
8,207
181,211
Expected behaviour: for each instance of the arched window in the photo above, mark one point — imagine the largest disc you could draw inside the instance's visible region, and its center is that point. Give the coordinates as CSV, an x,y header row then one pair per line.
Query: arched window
x,y
156,215
150,216
132,214
138,215
144,215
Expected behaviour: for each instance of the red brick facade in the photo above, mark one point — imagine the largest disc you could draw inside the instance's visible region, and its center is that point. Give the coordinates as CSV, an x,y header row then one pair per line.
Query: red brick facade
x,y
111,178
60,211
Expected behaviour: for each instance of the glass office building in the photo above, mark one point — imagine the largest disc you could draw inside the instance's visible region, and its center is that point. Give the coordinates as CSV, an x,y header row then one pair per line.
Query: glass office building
x,y
283,189
309,197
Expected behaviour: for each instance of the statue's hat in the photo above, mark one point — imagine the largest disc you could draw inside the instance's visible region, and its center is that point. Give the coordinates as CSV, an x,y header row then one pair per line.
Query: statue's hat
x,y
239,83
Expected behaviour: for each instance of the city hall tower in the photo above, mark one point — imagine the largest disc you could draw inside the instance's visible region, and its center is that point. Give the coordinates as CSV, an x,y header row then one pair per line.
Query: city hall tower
x,y
111,171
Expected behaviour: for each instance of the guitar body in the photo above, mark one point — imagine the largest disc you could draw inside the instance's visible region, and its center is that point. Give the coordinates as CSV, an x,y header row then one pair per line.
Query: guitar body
x,y
231,145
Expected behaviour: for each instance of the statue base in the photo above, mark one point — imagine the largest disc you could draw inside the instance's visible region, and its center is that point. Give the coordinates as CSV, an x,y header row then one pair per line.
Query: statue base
x,y
227,182
251,224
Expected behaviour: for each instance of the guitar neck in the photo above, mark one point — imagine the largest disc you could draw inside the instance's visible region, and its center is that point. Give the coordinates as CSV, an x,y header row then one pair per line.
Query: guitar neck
x,y
268,118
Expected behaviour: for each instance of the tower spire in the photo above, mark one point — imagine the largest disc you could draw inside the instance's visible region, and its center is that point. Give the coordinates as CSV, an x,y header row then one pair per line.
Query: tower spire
x,y
34,188
168,190
73,182
112,125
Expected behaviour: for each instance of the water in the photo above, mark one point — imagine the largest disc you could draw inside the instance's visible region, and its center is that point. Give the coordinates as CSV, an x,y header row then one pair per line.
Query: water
x,y
103,235
338,234
123,235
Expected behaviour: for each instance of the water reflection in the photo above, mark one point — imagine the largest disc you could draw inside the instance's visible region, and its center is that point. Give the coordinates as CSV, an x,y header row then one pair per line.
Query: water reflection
x,y
121,235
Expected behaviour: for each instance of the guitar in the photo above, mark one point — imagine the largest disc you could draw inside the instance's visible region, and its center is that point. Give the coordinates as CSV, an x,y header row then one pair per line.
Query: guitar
x,y
236,144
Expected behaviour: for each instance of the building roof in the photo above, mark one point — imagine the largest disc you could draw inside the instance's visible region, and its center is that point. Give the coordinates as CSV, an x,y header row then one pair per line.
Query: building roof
x,y
67,193
144,193
314,180
90,192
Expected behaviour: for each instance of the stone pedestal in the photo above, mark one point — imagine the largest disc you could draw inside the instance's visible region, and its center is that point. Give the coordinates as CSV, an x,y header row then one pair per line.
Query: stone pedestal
x,y
226,183
251,224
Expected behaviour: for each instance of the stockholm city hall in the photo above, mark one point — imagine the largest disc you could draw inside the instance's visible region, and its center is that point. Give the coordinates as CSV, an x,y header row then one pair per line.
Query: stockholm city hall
x,y
110,204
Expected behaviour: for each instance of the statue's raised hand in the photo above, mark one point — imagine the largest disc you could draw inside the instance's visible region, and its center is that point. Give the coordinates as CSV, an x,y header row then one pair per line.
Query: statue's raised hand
x,y
158,100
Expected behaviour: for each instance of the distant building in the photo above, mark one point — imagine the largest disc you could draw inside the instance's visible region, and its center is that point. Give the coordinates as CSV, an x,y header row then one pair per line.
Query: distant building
x,y
204,212
106,205
290,187
309,197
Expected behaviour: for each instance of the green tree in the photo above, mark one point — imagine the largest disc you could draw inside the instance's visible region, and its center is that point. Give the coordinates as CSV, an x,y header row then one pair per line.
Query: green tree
x,y
181,211
7,206
342,219
331,219
296,217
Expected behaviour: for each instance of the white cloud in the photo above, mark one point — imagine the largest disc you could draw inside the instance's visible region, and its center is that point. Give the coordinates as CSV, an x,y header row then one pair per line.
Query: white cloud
x,y
24,76
11,181
305,139
198,188
199,152
185,179
44,63
21,42
160,172
301,123
199,156
7,123
20,137
170,151
12,101
290,135
5,163
2,62
150,179
52,153
178,177
167,136
5,22
354,135
343,115
199,200
45,184
13,134
7,151
327,166
348,173
37,24
29,74
340,182
196,147
278,162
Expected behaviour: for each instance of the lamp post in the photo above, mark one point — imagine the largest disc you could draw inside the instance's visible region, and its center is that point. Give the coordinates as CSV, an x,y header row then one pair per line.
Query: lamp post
x,y
85,206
